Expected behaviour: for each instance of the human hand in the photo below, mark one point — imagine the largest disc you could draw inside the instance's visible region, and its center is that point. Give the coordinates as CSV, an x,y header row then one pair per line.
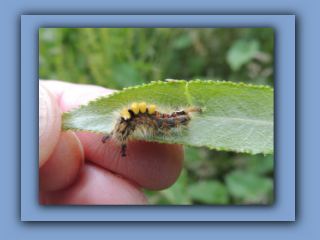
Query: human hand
x,y
74,169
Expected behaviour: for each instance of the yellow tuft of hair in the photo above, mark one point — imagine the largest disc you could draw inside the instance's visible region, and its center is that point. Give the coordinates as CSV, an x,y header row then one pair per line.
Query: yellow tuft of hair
x,y
125,114
151,109
142,107
135,108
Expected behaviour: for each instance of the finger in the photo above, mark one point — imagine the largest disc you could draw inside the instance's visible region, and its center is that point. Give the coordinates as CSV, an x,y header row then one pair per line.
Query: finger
x,y
96,185
70,95
64,164
152,165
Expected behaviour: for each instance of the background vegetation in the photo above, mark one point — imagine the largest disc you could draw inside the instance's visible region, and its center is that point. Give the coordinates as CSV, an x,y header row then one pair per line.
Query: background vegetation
x,y
118,58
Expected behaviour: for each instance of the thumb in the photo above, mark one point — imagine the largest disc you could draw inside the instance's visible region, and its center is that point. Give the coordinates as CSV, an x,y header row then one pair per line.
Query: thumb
x,y
60,153
49,124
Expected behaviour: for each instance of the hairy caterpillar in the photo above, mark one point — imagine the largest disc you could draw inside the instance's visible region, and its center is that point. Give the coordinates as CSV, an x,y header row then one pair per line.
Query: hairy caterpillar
x,y
143,120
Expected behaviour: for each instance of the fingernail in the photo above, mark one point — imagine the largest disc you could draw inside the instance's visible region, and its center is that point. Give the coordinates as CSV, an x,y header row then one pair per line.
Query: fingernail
x,y
42,110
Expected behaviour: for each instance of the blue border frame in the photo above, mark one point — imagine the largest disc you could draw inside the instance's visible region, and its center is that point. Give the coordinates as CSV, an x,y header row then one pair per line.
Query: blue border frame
x,y
284,207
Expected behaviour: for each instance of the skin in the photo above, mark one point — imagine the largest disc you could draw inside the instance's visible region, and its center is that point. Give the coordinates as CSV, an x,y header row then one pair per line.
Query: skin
x,y
76,168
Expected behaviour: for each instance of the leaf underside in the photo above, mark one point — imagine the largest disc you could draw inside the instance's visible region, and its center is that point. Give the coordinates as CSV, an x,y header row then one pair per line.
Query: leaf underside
x,y
236,117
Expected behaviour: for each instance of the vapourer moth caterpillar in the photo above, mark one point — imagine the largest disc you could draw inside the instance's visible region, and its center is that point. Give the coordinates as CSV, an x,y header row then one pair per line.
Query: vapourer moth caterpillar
x,y
141,120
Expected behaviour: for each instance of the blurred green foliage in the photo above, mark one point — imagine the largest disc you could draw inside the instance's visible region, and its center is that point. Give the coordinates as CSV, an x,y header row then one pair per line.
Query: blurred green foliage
x,y
117,58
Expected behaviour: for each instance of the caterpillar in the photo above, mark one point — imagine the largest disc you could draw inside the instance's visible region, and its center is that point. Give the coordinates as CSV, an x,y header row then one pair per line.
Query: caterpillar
x,y
143,119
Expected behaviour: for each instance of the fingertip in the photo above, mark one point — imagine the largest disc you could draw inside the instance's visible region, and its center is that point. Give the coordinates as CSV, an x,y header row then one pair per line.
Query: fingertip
x,y
81,95
64,164
160,164
154,166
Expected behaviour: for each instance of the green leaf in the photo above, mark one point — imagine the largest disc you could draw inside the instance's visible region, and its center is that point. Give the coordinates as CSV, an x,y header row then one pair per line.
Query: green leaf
x,y
248,185
236,117
241,52
209,192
